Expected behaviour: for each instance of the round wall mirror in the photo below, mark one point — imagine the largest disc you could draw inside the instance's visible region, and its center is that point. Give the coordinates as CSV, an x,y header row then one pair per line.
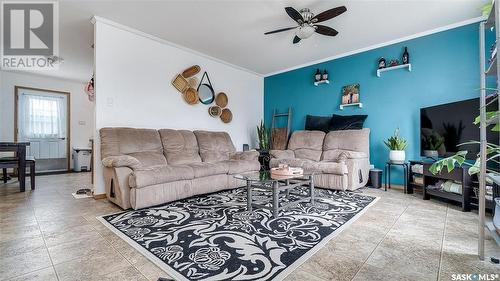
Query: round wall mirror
x,y
206,93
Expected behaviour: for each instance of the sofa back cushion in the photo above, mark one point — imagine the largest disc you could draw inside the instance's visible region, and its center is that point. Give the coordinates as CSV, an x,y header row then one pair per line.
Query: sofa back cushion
x,y
351,140
214,146
180,146
143,144
347,122
307,144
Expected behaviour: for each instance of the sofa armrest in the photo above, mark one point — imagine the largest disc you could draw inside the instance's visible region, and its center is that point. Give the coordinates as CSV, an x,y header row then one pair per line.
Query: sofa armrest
x,y
121,161
357,172
116,185
282,154
244,155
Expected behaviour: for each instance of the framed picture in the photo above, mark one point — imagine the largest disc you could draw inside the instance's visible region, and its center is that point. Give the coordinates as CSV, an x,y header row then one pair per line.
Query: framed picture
x,y
350,94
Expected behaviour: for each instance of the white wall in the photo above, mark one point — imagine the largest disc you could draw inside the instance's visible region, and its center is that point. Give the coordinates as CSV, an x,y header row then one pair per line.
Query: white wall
x,y
133,88
81,108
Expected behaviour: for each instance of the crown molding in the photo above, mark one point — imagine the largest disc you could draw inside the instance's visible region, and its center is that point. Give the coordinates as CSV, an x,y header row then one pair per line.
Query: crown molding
x,y
97,19
376,46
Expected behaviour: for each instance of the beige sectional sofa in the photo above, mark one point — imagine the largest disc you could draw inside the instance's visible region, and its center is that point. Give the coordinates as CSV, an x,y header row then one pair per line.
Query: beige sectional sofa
x,y
147,167
341,158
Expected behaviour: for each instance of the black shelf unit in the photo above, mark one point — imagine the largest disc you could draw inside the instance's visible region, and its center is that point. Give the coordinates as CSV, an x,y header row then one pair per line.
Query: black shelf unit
x,y
412,186
489,204
458,175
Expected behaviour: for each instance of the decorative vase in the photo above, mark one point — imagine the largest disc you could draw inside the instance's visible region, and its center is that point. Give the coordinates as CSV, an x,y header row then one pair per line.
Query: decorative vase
x,y
381,63
324,76
406,56
317,76
431,153
397,156
496,217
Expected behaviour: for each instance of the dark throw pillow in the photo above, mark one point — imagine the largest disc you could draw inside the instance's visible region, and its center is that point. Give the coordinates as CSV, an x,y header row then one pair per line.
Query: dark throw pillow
x,y
318,123
349,122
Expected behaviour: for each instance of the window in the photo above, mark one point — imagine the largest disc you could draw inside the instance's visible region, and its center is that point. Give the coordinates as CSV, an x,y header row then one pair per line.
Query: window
x,y
41,116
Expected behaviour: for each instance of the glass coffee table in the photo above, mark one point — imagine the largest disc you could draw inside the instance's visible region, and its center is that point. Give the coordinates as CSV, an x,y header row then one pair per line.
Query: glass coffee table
x,y
277,184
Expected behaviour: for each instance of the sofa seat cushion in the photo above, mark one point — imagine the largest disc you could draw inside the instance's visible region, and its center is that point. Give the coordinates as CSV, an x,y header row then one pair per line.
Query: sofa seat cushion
x,y
325,167
160,174
244,155
339,155
282,154
241,166
208,169
292,162
329,167
149,159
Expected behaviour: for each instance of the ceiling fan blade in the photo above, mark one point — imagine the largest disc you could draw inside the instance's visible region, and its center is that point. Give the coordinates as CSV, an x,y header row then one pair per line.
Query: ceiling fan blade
x,y
325,30
326,15
296,39
296,16
279,30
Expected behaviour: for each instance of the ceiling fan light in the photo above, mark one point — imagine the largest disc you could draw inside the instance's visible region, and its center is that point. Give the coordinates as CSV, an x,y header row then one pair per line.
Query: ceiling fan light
x,y
305,31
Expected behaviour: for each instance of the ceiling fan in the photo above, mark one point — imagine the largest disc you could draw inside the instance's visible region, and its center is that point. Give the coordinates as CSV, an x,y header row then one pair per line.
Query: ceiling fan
x,y
307,22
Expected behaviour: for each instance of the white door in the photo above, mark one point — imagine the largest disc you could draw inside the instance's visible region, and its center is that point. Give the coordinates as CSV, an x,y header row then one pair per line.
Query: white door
x,y
42,121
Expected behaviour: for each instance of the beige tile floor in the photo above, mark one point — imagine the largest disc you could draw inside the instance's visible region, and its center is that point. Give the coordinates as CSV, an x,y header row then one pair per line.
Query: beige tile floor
x,y
48,235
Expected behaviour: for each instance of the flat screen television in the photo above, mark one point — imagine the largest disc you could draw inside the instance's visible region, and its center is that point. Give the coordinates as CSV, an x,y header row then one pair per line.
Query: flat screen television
x,y
444,126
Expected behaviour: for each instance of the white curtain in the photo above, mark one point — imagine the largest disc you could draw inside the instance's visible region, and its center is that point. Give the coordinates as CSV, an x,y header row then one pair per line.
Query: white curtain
x,y
42,116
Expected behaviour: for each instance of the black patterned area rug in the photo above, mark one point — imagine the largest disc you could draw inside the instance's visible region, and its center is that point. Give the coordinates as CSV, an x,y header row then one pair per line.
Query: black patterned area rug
x,y
213,237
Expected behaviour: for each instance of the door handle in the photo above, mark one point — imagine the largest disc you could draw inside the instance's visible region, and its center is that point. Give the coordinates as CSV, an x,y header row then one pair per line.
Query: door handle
x,y
62,138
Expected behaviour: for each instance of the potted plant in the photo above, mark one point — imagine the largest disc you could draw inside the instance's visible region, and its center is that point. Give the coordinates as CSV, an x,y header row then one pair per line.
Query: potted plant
x,y
432,142
397,146
264,137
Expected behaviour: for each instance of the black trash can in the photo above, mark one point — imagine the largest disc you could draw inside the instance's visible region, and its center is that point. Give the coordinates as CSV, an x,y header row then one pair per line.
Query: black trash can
x,y
375,178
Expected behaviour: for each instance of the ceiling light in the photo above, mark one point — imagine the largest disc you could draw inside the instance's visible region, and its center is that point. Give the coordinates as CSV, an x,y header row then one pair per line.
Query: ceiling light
x,y
305,31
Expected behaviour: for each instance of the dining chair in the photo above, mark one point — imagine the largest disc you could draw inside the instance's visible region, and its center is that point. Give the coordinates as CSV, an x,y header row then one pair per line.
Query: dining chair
x,y
12,162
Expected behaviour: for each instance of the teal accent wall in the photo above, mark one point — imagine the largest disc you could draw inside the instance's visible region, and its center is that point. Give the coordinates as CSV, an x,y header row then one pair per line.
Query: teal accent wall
x,y
445,68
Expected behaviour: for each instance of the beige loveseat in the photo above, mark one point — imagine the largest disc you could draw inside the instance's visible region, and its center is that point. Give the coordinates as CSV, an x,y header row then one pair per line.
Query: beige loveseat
x,y
146,167
341,158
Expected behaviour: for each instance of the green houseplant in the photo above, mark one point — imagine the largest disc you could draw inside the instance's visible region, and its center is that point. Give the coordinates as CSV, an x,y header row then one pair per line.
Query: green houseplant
x,y
431,144
397,146
264,136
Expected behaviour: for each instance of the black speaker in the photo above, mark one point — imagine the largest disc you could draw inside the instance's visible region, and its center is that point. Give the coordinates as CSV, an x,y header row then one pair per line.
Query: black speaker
x,y
246,147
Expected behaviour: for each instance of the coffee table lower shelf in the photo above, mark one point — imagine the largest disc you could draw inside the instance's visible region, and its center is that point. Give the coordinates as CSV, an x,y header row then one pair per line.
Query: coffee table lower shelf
x,y
277,187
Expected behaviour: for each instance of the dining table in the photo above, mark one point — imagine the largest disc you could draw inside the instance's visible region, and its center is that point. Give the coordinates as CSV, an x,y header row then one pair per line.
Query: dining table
x,y
19,149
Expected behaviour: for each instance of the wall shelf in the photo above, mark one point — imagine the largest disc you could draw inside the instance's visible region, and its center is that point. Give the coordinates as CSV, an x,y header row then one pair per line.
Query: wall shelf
x,y
321,82
379,71
358,104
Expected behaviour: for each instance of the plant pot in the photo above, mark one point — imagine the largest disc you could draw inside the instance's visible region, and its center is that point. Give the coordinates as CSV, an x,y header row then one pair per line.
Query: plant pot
x,y
431,153
263,151
397,156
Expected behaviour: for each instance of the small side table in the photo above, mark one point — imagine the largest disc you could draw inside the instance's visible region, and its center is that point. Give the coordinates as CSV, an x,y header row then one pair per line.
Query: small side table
x,y
387,172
